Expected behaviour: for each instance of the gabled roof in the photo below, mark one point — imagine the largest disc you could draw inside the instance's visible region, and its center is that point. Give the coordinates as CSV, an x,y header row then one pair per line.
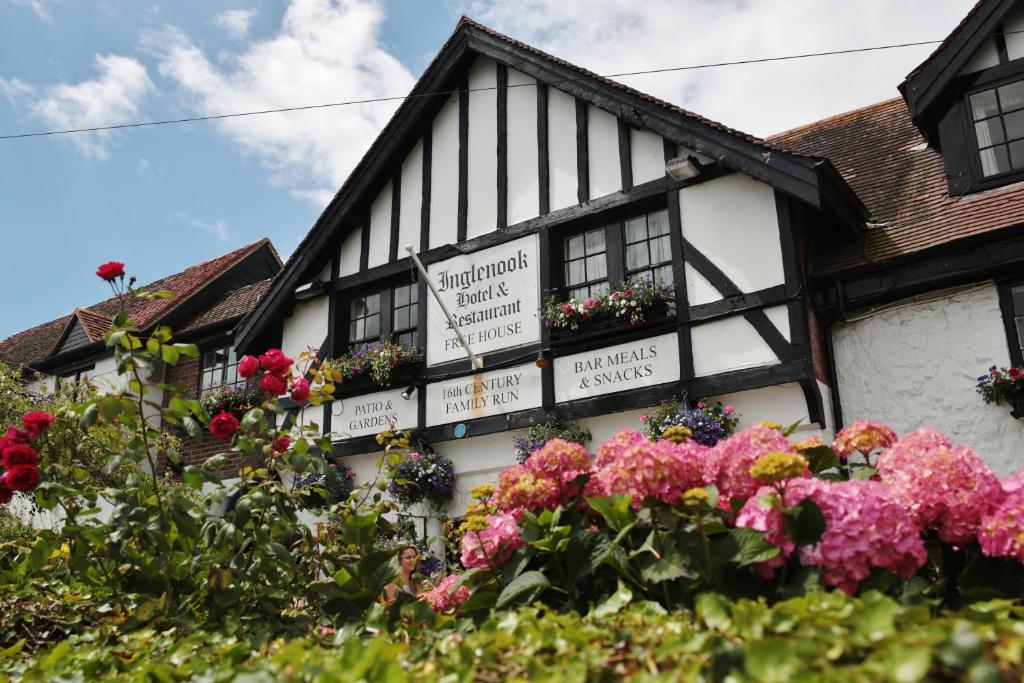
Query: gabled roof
x,y
807,178
902,180
37,345
233,304
923,86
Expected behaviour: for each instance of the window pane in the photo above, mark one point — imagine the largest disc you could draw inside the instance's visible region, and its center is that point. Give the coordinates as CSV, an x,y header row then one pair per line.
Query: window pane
x,y
661,250
358,327
358,308
1014,125
983,104
642,276
994,160
663,275
1011,96
414,293
372,327
403,318
575,272
596,267
636,230
1017,154
574,247
1020,331
579,293
599,288
636,256
401,296
1018,300
657,223
373,303
990,132
595,241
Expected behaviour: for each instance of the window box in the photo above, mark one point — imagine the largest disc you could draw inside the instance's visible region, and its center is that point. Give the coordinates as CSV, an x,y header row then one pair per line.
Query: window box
x,y
658,315
401,377
374,364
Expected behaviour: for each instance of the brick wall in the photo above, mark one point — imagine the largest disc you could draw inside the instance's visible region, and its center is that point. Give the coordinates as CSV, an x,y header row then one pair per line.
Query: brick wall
x,y
195,452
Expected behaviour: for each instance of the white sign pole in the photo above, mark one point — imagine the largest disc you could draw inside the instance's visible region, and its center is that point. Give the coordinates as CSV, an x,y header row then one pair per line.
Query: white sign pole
x,y
474,362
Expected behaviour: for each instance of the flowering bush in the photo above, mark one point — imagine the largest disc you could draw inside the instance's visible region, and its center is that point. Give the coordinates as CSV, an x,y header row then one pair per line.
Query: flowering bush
x,y
864,437
1001,384
708,423
642,469
325,488
730,461
491,546
236,400
422,475
20,460
442,598
630,301
539,434
377,359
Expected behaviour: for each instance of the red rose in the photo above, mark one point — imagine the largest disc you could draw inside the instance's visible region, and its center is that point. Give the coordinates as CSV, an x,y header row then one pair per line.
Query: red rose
x,y
15,435
110,271
300,390
275,362
19,454
281,444
272,384
5,493
37,422
248,366
1015,373
21,478
223,426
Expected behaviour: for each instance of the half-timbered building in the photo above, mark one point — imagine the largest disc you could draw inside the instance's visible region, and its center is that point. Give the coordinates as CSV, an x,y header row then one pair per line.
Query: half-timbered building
x,y
513,175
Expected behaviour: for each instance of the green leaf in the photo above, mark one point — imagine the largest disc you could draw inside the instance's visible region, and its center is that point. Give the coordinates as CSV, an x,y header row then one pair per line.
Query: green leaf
x,y
192,427
190,350
908,664
54,655
753,547
89,415
614,604
791,428
526,582
804,522
774,660
13,649
713,610
169,354
616,510
820,458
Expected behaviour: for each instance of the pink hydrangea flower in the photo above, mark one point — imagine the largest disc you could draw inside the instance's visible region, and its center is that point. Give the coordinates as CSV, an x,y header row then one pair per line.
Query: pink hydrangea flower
x,y
492,546
441,598
730,460
521,488
662,470
864,437
561,462
612,449
864,528
1001,533
1013,483
943,487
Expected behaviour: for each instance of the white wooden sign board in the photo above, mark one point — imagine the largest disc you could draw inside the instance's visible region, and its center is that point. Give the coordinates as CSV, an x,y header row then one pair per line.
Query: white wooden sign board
x,y
484,394
494,296
373,413
633,365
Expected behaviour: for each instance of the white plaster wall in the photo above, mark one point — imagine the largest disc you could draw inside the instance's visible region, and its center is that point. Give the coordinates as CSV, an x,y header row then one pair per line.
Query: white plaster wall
x,y
562,177
728,344
307,326
698,289
444,175
104,376
523,201
986,56
647,156
783,403
1013,27
603,152
482,182
779,316
348,261
380,229
411,201
732,221
915,364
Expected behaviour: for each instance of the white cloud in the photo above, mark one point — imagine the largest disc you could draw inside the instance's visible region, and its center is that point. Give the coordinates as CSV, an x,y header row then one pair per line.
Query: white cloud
x,y
15,90
41,8
235,22
615,36
323,51
113,97
218,229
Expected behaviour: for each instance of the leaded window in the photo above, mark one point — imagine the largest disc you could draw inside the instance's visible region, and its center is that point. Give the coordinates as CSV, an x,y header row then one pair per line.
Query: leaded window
x,y
364,318
586,264
998,118
219,368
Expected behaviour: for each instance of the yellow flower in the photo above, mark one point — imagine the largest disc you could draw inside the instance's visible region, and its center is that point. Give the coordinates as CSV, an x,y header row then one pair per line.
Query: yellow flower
x,y
676,434
809,443
769,424
777,466
696,499
474,523
482,492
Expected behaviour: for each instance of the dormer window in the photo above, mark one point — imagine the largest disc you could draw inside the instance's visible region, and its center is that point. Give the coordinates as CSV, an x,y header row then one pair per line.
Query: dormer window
x,y
998,118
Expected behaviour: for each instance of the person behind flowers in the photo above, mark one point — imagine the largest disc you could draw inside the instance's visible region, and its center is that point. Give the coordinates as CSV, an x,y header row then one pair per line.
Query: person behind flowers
x,y
408,559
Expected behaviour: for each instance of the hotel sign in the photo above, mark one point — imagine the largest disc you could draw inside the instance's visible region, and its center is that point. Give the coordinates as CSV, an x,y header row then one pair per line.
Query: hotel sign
x,y
634,365
373,413
484,394
493,295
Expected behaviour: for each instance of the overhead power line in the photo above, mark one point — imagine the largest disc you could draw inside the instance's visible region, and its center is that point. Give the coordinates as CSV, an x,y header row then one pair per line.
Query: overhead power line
x,y
347,103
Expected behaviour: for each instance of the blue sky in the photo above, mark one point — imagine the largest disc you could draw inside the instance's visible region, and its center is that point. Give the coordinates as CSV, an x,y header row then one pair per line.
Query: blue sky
x,y
163,198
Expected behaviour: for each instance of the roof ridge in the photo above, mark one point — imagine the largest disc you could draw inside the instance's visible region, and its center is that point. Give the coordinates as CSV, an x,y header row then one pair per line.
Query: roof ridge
x,y
833,117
